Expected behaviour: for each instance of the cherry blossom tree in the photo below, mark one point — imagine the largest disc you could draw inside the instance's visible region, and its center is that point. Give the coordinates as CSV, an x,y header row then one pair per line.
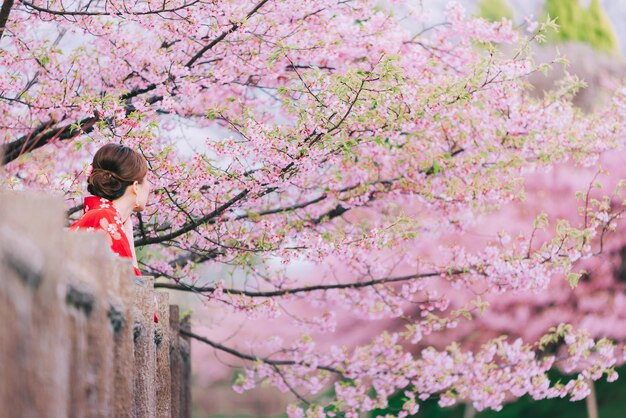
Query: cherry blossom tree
x,y
337,135
595,304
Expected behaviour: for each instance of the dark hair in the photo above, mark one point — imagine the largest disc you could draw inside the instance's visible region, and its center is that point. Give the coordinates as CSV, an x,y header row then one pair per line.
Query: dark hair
x,y
114,168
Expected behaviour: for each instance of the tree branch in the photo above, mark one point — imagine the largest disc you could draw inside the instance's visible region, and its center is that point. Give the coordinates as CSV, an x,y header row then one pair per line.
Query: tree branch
x,y
189,226
86,13
4,15
223,35
243,356
41,136
306,289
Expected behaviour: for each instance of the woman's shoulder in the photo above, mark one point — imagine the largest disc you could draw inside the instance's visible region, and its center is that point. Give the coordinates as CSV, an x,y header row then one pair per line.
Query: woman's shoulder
x,y
98,218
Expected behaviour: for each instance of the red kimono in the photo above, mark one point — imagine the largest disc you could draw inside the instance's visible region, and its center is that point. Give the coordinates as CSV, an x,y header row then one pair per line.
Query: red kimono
x,y
101,214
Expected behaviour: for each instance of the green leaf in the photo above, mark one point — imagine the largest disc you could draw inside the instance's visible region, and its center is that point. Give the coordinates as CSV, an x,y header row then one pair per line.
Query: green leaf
x,y
573,278
436,167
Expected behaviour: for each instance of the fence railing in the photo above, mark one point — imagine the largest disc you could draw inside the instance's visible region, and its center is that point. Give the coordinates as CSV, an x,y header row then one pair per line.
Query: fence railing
x,y
77,334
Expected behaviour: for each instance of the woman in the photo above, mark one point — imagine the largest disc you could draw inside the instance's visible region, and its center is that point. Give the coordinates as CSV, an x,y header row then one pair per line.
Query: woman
x,y
119,185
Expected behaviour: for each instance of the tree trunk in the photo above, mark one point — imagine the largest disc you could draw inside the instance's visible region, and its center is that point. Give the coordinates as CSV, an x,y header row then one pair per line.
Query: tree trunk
x,y
469,412
591,401
4,15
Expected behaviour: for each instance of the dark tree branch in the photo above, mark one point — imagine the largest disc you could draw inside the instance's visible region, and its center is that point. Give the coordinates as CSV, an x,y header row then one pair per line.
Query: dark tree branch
x,y
243,356
41,136
87,13
73,210
339,210
331,214
4,15
189,226
223,35
306,289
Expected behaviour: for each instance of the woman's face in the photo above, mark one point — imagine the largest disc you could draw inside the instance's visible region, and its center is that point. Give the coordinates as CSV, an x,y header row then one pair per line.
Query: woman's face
x,y
143,192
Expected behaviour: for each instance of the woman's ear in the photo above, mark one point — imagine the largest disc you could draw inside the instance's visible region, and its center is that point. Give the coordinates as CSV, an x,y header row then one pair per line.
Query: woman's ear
x,y
136,187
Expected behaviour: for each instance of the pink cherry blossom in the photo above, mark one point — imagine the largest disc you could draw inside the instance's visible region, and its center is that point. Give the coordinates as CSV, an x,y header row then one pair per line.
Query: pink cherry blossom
x,y
329,182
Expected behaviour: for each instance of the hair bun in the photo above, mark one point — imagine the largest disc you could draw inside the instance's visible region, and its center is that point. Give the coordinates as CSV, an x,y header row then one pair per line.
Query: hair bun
x,y
105,183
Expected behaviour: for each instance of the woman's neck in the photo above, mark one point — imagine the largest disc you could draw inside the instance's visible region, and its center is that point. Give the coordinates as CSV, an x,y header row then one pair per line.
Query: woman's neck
x,y
124,207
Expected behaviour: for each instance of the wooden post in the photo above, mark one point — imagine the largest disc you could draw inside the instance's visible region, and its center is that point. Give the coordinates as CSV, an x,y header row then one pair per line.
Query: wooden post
x,y
162,336
90,268
100,333
121,318
77,325
175,361
145,350
33,338
185,351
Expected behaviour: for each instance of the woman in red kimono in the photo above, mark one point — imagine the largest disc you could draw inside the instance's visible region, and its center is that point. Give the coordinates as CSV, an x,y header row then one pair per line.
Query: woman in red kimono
x,y
119,185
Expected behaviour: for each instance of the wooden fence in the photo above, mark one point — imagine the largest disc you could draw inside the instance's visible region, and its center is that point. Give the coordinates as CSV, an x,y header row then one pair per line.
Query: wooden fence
x,y
77,335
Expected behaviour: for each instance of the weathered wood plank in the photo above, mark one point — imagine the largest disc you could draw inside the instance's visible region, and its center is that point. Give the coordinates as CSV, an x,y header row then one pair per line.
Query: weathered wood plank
x,y
121,318
163,383
145,349
175,361
185,351
33,338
